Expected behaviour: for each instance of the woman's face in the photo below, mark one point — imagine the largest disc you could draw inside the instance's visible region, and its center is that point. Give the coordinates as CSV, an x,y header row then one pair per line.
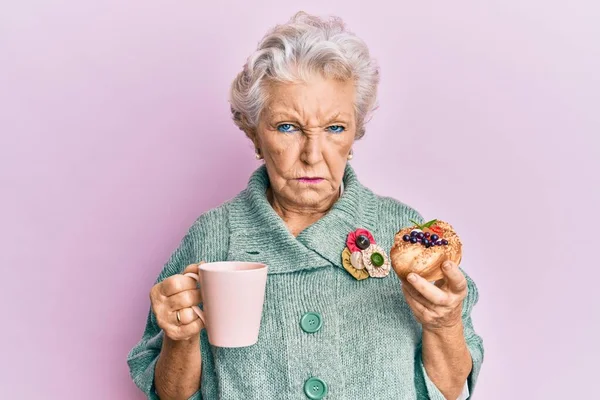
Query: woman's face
x,y
305,134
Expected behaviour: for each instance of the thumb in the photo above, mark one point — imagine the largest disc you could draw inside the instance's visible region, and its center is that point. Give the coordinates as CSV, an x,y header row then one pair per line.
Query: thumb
x,y
193,268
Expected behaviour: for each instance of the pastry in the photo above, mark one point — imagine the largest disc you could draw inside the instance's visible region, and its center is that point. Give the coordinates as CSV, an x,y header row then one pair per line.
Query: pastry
x,y
423,248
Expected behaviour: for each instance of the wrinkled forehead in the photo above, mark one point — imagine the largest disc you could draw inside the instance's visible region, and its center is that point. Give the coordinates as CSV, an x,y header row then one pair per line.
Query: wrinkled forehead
x,y
319,98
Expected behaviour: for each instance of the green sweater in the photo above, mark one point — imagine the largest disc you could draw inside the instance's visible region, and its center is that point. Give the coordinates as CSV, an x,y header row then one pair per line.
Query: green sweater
x,y
369,343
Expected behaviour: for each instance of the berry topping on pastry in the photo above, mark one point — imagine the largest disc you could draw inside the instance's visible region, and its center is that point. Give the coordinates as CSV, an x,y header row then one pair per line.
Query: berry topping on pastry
x,y
423,248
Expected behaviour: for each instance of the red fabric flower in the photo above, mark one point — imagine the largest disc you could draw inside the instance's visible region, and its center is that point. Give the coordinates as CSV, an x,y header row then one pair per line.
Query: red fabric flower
x,y
351,240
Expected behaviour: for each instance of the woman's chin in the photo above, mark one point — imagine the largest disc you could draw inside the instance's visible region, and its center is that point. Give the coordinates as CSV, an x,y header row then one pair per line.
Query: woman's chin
x,y
311,197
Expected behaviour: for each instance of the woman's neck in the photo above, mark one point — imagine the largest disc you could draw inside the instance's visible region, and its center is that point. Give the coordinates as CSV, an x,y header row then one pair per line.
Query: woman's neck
x,y
297,217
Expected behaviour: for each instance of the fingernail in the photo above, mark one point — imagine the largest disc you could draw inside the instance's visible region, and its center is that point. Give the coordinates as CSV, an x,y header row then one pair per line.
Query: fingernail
x,y
412,278
447,265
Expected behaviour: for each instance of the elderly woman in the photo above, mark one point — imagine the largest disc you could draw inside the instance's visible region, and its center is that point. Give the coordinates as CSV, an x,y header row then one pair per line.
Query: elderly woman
x,y
303,98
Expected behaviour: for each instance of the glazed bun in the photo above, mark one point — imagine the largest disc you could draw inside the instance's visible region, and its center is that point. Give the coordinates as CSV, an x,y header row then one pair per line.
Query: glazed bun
x,y
415,251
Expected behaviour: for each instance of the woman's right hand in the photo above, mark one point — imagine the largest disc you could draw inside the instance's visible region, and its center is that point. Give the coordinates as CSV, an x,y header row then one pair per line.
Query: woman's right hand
x,y
177,293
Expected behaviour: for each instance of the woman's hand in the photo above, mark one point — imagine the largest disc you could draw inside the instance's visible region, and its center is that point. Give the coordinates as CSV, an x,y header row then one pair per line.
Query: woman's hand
x,y
177,293
437,306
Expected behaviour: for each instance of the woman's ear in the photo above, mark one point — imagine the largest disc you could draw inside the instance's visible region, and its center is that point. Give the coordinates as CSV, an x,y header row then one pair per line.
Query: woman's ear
x,y
251,133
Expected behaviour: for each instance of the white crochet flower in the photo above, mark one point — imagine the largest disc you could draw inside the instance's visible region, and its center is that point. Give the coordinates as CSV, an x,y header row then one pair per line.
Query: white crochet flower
x,y
376,261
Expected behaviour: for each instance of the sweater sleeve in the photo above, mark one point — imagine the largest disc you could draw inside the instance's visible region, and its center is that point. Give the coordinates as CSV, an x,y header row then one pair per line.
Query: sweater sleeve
x,y
206,240
473,341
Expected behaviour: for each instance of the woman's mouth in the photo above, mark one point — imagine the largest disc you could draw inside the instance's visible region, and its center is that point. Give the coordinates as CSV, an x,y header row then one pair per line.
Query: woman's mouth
x,y
308,179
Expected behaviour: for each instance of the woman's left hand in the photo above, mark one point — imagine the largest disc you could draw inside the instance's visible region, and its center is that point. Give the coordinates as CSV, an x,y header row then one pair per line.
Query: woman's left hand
x,y
438,305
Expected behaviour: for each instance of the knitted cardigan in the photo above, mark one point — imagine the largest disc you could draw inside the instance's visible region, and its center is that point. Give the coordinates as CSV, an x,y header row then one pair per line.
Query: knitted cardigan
x,y
369,346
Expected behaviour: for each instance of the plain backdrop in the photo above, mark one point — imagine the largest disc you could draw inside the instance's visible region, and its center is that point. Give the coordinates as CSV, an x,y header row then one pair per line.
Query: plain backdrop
x,y
115,134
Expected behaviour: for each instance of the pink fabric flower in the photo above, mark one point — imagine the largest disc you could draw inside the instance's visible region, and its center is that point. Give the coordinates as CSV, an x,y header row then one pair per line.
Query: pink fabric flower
x,y
351,240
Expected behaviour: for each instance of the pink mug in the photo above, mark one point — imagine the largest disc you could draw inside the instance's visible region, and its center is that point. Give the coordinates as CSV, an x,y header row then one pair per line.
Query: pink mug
x,y
233,294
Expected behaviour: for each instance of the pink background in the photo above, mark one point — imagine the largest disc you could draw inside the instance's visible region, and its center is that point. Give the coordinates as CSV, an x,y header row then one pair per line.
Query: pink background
x,y
115,134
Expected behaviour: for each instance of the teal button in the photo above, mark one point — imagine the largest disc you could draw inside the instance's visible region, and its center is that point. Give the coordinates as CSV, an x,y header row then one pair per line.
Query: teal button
x,y
315,389
311,322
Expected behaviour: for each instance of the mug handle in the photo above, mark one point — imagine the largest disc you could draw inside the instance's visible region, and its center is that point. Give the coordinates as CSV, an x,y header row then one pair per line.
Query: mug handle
x,y
196,309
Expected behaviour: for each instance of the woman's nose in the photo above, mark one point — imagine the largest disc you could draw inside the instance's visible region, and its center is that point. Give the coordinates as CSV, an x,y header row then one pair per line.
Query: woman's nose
x,y
312,150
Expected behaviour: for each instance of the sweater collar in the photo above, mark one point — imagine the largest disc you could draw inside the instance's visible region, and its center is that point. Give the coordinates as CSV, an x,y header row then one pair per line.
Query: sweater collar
x,y
259,234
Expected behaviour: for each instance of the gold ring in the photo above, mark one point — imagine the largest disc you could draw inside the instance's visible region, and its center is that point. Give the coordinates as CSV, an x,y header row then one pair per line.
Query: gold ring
x,y
178,318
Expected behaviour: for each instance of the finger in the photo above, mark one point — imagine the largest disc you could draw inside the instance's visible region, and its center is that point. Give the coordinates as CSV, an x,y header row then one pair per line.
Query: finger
x,y
429,291
184,299
186,316
422,313
457,283
193,328
177,283
181,332
412,292
418,308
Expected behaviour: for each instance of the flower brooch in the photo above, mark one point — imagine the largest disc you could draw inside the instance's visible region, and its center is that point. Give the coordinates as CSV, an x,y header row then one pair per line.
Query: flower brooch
x,y
363,258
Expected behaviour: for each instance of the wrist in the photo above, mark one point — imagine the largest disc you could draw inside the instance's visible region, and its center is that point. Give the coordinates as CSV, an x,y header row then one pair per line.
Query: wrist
x,y
181,344
450,331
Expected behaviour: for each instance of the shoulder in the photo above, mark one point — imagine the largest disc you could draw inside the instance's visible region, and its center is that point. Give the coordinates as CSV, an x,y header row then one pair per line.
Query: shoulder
x,y
209,234
214,219
396,211
207,239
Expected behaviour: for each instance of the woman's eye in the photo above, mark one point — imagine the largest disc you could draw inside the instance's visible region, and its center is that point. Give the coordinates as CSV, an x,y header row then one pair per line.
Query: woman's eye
x,y
336,129
286,128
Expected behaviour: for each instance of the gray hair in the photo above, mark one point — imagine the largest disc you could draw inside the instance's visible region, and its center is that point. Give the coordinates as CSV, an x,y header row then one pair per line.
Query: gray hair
x,y
292,52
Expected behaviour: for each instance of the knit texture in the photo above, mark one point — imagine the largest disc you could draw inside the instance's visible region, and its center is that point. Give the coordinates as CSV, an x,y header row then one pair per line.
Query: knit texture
x,y
369,346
